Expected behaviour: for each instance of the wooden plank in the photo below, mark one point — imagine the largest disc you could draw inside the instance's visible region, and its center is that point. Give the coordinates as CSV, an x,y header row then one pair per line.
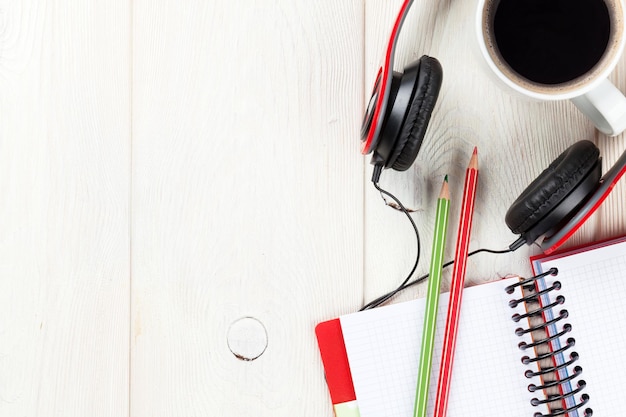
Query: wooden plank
x,y
516,140
64,218
610,220
247,201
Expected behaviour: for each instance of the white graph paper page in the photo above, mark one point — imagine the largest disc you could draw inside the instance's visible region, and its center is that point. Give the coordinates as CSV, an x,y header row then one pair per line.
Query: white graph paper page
x,y
383,347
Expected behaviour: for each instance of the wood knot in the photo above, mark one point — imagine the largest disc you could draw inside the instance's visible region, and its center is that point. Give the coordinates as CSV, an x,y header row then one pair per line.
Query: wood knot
x,y
247,338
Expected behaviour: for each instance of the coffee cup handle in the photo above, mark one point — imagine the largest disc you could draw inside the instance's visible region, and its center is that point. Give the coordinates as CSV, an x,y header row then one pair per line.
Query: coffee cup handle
x,y
605,105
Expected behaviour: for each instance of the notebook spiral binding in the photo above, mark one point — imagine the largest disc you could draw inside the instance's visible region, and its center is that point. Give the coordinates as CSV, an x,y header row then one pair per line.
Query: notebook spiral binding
x,y
529,284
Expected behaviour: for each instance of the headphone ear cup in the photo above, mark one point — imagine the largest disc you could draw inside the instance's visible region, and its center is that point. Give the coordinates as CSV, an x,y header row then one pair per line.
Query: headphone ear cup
x,y
412,98
425,93
567,182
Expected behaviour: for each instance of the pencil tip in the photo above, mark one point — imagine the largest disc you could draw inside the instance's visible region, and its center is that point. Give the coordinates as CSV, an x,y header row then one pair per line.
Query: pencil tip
x,y
445,192
473,163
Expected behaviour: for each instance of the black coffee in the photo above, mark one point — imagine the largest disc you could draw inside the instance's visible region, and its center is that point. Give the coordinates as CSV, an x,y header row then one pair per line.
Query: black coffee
x,y
551,41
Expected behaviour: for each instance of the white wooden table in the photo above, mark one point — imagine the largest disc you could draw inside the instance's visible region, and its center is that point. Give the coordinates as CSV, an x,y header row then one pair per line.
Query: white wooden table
x,y
168,168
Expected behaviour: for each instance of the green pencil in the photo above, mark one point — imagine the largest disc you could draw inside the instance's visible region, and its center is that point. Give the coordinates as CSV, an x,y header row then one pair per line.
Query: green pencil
x,y
432,301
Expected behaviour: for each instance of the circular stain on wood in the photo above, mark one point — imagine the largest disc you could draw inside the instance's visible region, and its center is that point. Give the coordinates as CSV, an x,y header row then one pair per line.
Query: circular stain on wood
x,y
247,338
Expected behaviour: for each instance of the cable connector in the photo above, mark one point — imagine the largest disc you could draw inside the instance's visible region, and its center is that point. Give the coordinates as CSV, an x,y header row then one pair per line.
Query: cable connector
x,y
378,169
517,244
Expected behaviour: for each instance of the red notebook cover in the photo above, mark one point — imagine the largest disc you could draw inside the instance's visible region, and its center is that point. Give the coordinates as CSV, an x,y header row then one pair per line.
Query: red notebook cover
x,y
335,360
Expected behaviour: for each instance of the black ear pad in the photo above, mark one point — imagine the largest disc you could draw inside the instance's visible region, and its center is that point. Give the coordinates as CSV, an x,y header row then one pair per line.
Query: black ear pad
x,y
418,116
412,98
555,195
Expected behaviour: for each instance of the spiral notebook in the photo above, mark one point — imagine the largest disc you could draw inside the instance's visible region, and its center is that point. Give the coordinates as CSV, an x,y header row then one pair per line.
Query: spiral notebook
x,y
371,358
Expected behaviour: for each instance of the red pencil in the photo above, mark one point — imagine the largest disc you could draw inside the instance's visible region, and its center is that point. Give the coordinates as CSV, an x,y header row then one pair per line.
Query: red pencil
x,y
456,288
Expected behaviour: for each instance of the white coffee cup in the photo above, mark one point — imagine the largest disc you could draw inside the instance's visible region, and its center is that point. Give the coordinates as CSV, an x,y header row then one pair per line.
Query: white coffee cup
x,y
521,72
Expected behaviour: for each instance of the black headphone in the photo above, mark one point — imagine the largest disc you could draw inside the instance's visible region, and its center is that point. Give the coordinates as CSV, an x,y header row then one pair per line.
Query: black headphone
x,y
548,211
562,197
400,107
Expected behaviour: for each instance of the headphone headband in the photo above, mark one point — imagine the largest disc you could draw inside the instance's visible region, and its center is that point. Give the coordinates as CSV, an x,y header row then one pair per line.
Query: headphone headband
x,y
377,107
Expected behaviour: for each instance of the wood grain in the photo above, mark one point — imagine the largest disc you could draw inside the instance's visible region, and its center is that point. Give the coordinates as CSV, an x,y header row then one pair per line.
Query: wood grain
x,y
64,208
181,190
247,200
